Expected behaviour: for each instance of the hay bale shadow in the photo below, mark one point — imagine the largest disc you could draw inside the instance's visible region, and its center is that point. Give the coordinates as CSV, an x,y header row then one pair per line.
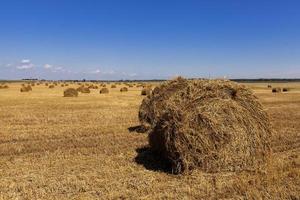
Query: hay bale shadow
x,y
138,129
152,161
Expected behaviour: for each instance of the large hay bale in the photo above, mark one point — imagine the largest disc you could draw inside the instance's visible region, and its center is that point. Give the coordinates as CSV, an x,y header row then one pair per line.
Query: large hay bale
x,y
113,86
276,90
124,89
70,92
104,91
213,125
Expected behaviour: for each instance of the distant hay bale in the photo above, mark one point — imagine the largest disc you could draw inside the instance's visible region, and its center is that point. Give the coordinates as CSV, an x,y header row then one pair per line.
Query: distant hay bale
x,y
51,86
104,91
276,90
124,89
269,86
213,125
83,89
4,87
113,86
62,85
26,88
146,91
70,92
46,84
285,89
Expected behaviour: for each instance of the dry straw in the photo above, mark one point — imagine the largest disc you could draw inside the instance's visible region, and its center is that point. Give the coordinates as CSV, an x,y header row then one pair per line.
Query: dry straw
x,y
213,125
104,91
70,92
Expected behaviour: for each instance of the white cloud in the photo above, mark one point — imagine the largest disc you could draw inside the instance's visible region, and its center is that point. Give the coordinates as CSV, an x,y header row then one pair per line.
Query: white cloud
x,y
97,71
25,64
25,61
47,66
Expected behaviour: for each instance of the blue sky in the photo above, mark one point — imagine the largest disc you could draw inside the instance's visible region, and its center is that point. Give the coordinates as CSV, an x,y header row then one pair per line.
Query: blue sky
x,y
146,39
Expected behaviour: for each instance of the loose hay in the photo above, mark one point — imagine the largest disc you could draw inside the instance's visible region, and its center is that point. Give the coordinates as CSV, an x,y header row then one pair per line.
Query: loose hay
x,y
70,92
214,125
104,91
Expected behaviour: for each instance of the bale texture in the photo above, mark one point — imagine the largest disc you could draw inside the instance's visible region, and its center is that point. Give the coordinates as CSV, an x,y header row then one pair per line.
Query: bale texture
x,y
104,91
70,92
213,125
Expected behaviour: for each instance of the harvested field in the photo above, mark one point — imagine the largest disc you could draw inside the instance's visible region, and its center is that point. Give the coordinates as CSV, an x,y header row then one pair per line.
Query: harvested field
x,y
91,147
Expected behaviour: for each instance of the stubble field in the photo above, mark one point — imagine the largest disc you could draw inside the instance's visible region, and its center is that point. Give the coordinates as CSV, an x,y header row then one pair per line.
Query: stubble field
x,y
88,147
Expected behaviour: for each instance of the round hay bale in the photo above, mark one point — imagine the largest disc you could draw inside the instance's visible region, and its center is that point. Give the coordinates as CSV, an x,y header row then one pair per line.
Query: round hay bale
x,y
26,88
51,86
213,125
113,86
84,90
124,89
4,87
104,91
70,92
276,90
146,91
47,84
285,89
269,86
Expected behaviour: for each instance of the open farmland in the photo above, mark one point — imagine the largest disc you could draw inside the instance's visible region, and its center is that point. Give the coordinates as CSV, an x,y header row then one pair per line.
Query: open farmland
x,y
86,147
